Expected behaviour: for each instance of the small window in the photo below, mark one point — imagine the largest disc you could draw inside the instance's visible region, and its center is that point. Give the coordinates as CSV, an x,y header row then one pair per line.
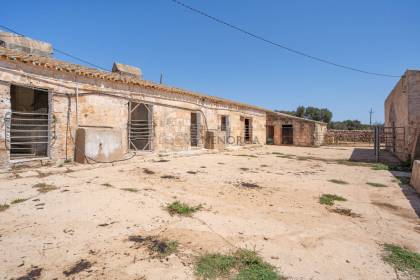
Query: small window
x,y
223,124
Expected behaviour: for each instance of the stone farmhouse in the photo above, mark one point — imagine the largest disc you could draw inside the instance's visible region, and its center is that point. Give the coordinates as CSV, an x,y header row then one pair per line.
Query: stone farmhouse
x,y
54,110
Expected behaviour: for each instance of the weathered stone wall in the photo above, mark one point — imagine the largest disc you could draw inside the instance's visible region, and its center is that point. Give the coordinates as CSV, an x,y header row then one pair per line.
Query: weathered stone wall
x,y
305,132
334,136
402,110
415,176
105,104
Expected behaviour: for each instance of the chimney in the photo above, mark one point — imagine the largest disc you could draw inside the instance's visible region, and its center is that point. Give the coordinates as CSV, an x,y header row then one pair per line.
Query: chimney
x,y
127,70
25,44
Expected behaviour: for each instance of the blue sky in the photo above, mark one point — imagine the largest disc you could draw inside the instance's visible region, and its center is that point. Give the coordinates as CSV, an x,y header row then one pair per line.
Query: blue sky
x,y
198,54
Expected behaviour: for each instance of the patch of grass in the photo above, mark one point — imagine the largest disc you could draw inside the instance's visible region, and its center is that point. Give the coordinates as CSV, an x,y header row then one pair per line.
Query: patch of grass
x,y
108,185
158,247
182,209
403,180
4,207
380,166
241,265
340,182
345,212
18,200
130,189
277,153
329,199
212,266
44,188
244,168
376,185
192,172
402,259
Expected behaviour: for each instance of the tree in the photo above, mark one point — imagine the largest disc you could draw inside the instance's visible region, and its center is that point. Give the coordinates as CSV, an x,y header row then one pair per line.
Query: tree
x,y
300,111
311,113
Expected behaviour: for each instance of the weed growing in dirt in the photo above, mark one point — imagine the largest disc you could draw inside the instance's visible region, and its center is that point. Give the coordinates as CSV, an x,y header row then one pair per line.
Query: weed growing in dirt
x,y
158,247
244,168
345,212
192,172
182,209
340,182
18,200
403,180
376,185
402,259
212,266
44,188
328,199
242,264
277,153
78,267
4,207
130,189
108,185
380,166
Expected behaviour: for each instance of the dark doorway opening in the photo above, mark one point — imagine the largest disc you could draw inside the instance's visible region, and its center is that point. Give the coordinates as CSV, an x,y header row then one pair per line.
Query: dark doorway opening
x,y
287,134
248,131
270,134
28,123
140,133
195,129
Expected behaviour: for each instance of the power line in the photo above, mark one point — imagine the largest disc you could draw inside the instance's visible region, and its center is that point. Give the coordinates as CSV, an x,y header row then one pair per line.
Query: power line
x,y
258,37
59,51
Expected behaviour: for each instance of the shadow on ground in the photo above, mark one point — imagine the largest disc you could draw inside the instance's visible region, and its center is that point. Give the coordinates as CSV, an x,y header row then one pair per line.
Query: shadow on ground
x,y
367,155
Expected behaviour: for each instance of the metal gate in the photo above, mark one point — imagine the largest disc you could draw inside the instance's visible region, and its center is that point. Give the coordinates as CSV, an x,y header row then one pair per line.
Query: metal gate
x,y
287,134
140,128
27,134
195,129
390,139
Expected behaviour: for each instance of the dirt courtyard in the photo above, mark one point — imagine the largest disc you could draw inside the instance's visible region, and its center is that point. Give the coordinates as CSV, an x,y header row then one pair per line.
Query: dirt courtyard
x,y
263,198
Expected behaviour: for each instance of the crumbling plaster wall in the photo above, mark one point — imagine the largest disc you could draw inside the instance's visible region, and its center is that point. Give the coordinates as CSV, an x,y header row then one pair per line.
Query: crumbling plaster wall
x,y
105,103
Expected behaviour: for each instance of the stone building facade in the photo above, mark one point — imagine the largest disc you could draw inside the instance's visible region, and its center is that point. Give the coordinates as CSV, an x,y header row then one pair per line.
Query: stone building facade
x,y
283,129
402,117
47,106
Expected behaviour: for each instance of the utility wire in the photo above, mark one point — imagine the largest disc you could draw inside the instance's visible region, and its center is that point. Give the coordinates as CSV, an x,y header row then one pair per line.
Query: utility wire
x,y
258,37
59,51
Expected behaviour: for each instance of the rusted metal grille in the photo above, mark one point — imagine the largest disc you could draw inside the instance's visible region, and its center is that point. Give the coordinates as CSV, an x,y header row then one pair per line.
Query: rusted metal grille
x,y
140,126
287,134
195,129
390,139
27,134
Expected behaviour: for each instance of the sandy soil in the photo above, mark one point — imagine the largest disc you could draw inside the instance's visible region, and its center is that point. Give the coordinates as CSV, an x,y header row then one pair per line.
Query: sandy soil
x,y
90,216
